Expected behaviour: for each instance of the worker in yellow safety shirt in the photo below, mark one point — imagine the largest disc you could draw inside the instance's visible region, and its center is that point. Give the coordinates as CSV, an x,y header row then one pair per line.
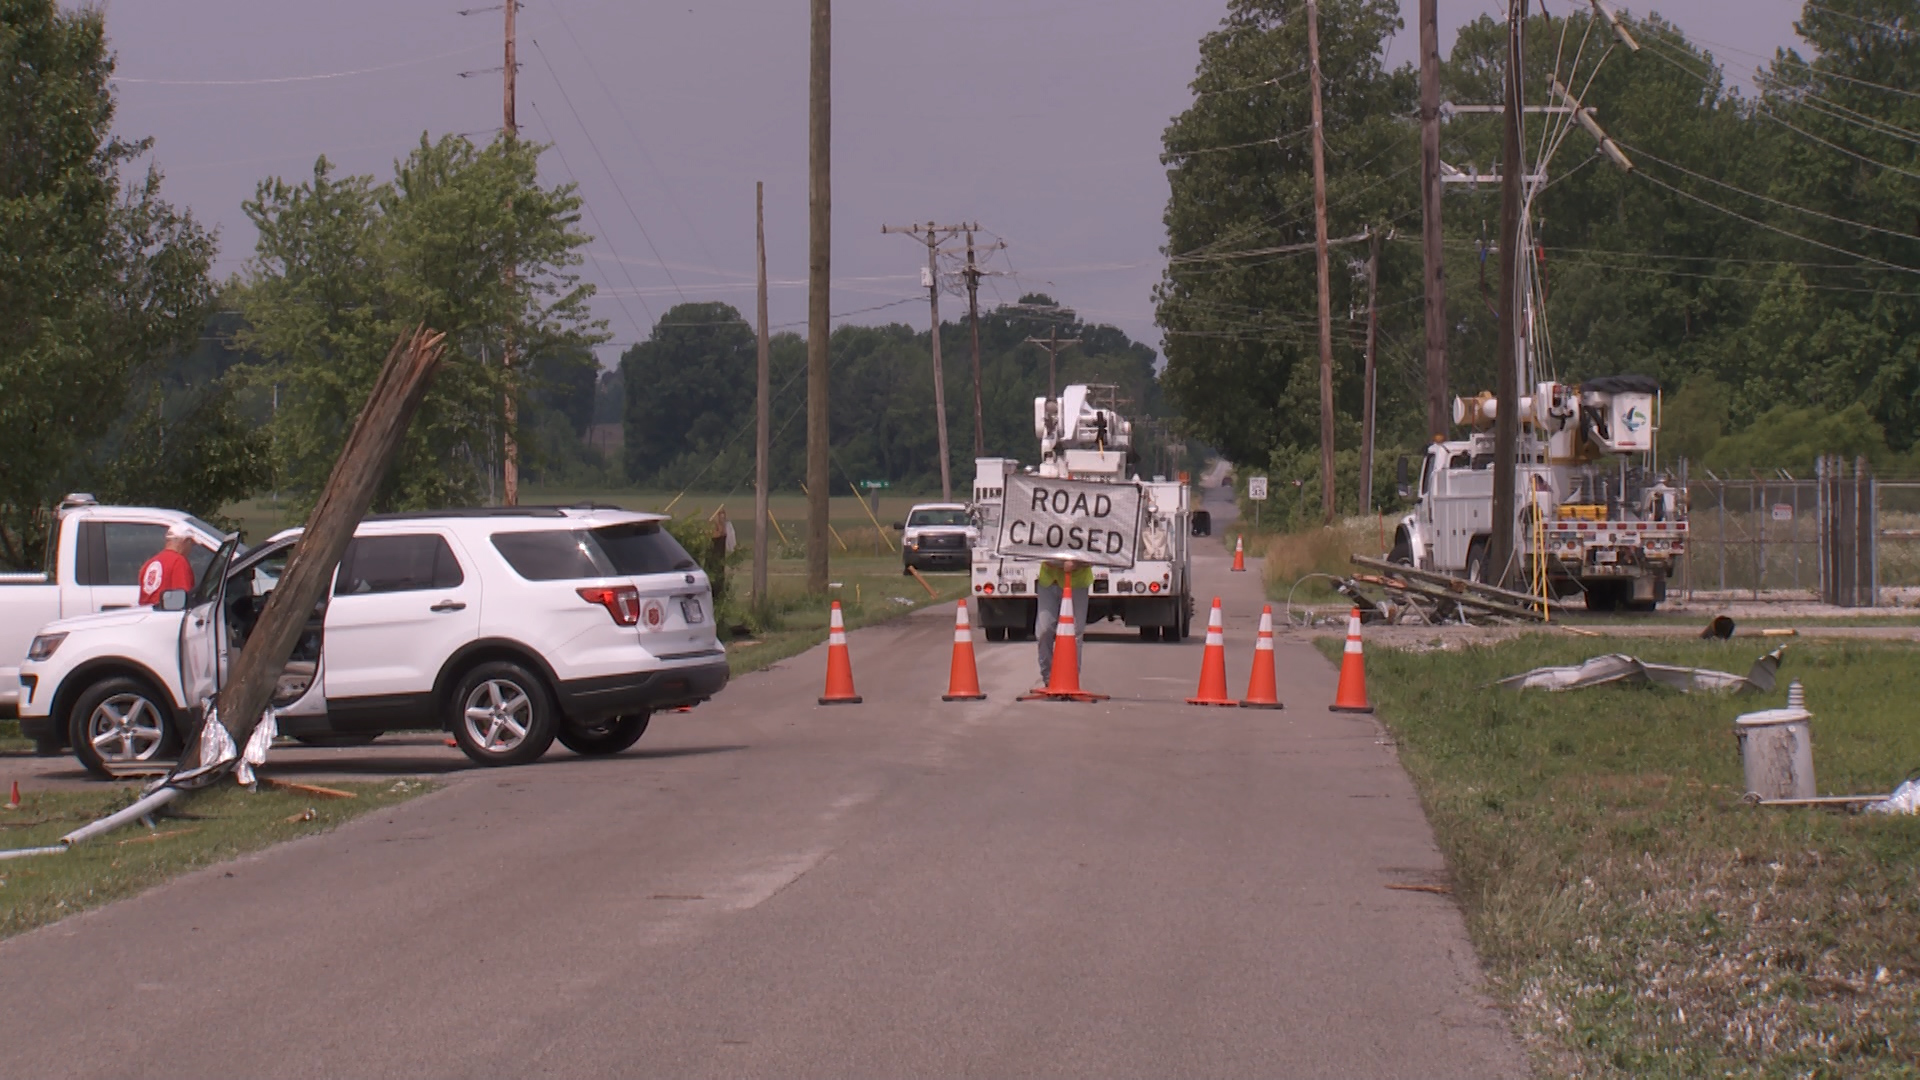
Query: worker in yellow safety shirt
x,y
1053,576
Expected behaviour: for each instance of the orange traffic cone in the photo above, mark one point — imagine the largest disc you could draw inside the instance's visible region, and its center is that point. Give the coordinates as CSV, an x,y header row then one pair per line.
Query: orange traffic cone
x,y
1213,665
963,680
839,665
1261,691
14,802
1064,684
1239,556
1352,694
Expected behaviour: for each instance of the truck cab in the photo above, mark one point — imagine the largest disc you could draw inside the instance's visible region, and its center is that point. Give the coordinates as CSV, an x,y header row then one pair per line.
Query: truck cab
x,y
92,564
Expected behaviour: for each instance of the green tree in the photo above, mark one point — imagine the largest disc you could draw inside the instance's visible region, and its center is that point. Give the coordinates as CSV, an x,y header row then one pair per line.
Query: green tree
x,y
343,264
1238,297
101,276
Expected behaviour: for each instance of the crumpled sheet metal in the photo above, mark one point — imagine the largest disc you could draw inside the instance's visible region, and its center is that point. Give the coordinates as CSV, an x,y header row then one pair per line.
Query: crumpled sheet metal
x,y
1621,668
258,744
1904,800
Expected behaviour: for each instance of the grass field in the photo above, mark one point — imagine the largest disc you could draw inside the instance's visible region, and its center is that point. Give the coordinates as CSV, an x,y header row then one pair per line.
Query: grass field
x,y
208,827
1634,914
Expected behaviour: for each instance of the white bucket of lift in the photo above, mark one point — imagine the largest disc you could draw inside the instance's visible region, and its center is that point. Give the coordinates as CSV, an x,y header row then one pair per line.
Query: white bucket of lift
x,y
1776,748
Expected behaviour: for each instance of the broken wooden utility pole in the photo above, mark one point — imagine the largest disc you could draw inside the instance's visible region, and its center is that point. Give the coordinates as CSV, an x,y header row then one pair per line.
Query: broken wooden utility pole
x,y
1053,345
509,449
357,474
819,258
1320,263
931,234
1508,356
1433,253
1373,337
763,406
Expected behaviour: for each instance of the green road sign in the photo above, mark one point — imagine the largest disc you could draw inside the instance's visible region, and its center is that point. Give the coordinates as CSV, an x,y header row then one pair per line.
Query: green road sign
x,y
871,484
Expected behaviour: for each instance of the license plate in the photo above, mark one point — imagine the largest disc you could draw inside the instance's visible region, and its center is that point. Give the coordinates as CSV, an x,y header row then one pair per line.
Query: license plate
x,y
690,608
1606,556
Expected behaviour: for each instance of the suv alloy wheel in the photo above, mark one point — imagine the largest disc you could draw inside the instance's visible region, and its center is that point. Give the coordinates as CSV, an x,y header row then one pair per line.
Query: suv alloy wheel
x,y
120,721
502,715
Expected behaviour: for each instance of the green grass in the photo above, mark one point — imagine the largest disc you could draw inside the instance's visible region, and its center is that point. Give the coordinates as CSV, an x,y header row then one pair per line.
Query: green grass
x,y
1635,915
871,591
205,828
10,738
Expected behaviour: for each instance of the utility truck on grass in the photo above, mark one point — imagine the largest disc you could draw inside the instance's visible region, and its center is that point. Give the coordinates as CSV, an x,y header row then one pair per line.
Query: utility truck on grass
x,y
1141,564
1592,515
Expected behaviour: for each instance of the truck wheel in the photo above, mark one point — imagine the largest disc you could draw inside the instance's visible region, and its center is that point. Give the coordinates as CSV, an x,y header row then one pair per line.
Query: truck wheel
x,y
501,714
605,737
120,721
1402,551
1477,560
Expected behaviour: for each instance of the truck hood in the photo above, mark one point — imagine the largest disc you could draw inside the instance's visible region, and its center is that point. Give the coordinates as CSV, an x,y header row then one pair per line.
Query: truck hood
x,y
109,620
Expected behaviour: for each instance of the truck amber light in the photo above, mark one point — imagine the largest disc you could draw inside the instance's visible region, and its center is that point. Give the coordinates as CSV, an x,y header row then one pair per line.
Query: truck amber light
x,y
621,601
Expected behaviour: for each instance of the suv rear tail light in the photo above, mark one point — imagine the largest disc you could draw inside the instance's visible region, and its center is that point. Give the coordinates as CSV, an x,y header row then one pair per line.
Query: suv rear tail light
x,y
621,601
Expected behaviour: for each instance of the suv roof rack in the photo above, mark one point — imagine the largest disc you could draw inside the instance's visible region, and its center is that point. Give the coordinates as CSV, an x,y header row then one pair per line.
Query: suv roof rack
x,y
499,512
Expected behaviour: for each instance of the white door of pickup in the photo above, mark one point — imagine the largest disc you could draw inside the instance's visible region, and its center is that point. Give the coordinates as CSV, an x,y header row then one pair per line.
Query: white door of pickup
x,y
402,604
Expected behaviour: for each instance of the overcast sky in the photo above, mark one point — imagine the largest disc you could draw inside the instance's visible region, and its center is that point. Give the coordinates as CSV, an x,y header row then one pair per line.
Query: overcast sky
x,y
1040,119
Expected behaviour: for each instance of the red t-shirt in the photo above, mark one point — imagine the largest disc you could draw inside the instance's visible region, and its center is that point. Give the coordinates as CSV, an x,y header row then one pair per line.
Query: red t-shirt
x,y
167,570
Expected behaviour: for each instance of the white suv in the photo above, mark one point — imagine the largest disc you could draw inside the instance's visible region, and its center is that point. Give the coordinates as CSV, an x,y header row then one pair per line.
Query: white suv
x,y
508,627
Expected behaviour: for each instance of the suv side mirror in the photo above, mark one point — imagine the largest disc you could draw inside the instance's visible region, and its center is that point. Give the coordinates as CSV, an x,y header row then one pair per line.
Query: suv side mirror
x,y
1402,484
899,526
173,600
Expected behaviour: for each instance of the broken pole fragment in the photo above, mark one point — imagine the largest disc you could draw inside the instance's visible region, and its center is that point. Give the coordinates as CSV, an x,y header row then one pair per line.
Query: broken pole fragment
x,y
370,449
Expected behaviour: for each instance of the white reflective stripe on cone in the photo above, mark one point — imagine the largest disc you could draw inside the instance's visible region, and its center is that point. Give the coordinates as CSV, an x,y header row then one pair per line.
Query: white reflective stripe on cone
x,y
1215,637
1063,628
1265,644
962,634
836,637
834,621
1353,645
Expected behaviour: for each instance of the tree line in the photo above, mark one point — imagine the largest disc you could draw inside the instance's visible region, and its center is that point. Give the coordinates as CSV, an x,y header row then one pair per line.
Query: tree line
x,y
690,391
1759,260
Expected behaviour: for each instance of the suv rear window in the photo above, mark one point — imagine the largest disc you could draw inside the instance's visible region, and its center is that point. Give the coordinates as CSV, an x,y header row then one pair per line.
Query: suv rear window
x,y
630,550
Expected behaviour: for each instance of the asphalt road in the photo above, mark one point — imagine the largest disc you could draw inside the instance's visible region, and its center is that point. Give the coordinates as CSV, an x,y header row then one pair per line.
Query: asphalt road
x,y
765,887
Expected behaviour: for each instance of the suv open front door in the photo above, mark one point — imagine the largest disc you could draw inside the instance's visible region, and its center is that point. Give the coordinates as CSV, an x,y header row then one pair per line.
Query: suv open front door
x,y
200,652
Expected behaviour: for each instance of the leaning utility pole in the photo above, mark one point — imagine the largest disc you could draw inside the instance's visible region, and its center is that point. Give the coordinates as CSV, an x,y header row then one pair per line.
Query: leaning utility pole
x,y
1053,345
931,234
1320,261
1506,418
1373,336
819,256
1434,254
763,410
510,456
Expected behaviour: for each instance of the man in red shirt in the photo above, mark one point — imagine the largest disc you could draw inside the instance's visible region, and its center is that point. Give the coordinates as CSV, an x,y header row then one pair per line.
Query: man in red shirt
x,y
169,568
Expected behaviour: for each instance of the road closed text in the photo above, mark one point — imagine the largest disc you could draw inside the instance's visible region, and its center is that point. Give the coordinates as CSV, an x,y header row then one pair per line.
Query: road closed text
x,y
1086,521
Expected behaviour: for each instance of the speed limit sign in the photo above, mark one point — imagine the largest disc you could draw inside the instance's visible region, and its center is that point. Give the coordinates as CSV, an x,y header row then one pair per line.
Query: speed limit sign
x,y
1257,488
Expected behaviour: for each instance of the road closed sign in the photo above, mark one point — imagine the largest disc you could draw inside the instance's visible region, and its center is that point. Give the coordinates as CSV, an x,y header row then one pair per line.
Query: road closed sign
x,y
1086,521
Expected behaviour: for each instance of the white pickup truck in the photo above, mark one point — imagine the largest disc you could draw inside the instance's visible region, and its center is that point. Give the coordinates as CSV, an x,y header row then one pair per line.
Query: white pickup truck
x,y
93,560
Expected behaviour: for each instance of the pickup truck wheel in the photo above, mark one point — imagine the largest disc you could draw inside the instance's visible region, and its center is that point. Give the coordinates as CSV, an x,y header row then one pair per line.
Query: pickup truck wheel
x,y
606,736
119,722
502,715
1477,560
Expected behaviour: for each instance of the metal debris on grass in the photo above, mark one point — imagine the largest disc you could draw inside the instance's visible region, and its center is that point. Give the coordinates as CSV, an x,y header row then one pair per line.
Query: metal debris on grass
x,y
1621,668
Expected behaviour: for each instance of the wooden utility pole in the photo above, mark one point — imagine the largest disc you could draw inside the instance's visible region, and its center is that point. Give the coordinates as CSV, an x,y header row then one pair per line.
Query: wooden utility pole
x,y
763,410
510,450
1506,420
819,258
973,324
1373,336
1053,345
931,234
939,377
1433,253
1320,263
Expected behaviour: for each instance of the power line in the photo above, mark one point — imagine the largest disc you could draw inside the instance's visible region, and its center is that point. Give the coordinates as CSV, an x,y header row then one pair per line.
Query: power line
x,y
1899,31
299,78
1275,81
618,190
594,69
1822,72
1650,178
588,206
1770,200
